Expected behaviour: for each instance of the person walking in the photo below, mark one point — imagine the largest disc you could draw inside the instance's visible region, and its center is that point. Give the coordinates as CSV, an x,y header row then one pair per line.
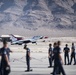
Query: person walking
x,y
73,54
54,47
5,64
58,60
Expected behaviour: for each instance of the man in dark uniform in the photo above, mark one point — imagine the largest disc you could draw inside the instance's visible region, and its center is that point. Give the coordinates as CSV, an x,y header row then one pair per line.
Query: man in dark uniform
x,y
54,46
58,60
66,53
73,54
27,58
50,55
5,67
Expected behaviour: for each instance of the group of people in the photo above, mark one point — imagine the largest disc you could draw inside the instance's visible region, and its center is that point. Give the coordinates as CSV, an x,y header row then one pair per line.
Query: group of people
x,y
67,53
54,54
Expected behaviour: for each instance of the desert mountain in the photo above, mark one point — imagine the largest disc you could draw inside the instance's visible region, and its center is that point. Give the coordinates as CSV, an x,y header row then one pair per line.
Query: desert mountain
x,y
37,16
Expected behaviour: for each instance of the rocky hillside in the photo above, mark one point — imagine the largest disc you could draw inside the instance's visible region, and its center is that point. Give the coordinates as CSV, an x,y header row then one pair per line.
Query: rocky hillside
x,y
36,15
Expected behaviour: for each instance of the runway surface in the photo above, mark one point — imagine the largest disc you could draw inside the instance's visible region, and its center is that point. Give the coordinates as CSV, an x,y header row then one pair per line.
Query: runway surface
x,y
39,64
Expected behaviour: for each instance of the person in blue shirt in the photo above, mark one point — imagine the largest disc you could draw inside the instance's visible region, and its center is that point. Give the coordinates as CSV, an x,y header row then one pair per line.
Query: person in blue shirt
x,y
73,54
58,60
54,47
66,53
27,58
50,55
4,52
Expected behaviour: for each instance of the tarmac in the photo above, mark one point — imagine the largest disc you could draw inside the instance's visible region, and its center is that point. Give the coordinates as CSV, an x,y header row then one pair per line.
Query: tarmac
x,y
39,64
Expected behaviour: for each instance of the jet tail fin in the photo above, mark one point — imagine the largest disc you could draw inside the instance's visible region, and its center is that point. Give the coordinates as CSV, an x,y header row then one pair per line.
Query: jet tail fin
x,y
13,38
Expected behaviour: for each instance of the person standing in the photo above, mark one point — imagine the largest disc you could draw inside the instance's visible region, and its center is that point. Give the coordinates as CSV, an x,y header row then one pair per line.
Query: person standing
x,y
54,46
27,58
5,64
58,60
73,54
50,55
66,53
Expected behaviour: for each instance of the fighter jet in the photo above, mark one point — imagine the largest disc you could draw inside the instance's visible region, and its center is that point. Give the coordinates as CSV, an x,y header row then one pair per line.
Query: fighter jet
x,y
20,40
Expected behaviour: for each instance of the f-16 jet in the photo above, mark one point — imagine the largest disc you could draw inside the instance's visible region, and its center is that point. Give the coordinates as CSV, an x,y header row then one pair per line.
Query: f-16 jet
x,y
21,40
